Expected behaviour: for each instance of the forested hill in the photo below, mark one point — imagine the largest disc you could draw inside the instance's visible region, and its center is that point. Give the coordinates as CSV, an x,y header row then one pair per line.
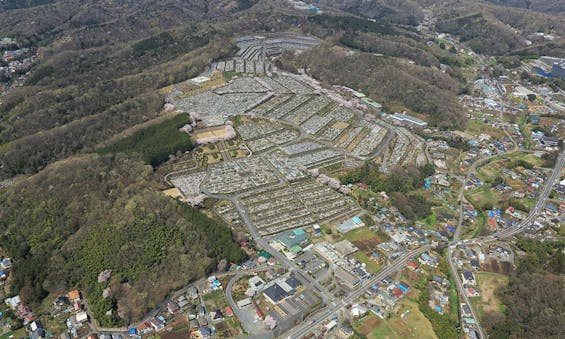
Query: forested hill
x,y
79,217
101,65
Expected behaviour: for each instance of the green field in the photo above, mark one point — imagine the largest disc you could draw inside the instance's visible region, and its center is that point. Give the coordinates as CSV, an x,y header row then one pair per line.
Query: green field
x,y
531,158
483,196
372,266
362,233
17,334
412,324
488,302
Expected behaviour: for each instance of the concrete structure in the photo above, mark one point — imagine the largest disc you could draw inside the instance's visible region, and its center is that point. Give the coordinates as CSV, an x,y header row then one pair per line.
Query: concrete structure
x,y
405,118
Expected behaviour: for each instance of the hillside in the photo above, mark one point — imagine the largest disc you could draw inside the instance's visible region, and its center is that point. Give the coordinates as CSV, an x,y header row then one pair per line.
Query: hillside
x,y
78,209
79,217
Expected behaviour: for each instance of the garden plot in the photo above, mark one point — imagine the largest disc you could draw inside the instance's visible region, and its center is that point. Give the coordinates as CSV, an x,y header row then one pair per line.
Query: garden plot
x,y
239,175
213,109
189,184
305,111
280,208
242,85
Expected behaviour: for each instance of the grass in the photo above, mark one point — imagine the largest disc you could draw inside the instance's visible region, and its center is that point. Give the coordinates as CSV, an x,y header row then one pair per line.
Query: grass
x,y
430,220
413,324
229,75
477,127
488,303
453,298
215,300
362,233
19,333
484,196
482,222
531,158
372,266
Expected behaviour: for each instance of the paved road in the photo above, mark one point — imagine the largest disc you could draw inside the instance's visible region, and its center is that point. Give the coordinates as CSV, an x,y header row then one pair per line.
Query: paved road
x,y
320,317
312,284
508,233
328,312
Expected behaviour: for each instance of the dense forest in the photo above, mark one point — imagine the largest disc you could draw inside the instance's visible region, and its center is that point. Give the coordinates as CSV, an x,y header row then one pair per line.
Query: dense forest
x,y
79,217
155,143
420,89
534,300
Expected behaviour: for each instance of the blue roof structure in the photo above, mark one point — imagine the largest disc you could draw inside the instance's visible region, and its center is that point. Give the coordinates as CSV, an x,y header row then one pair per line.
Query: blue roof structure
x,y
403,287
294,237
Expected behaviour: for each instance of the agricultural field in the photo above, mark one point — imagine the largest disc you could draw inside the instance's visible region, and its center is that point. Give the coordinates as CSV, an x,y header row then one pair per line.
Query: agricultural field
x,y
408,322
477,127
488,302
366,240
17,334
176,330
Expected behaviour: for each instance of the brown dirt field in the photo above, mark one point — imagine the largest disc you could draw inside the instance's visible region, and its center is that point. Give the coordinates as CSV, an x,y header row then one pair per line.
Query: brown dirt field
x,y
221,327
488,287
369,324
368,245
495,266
402,328
174,335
